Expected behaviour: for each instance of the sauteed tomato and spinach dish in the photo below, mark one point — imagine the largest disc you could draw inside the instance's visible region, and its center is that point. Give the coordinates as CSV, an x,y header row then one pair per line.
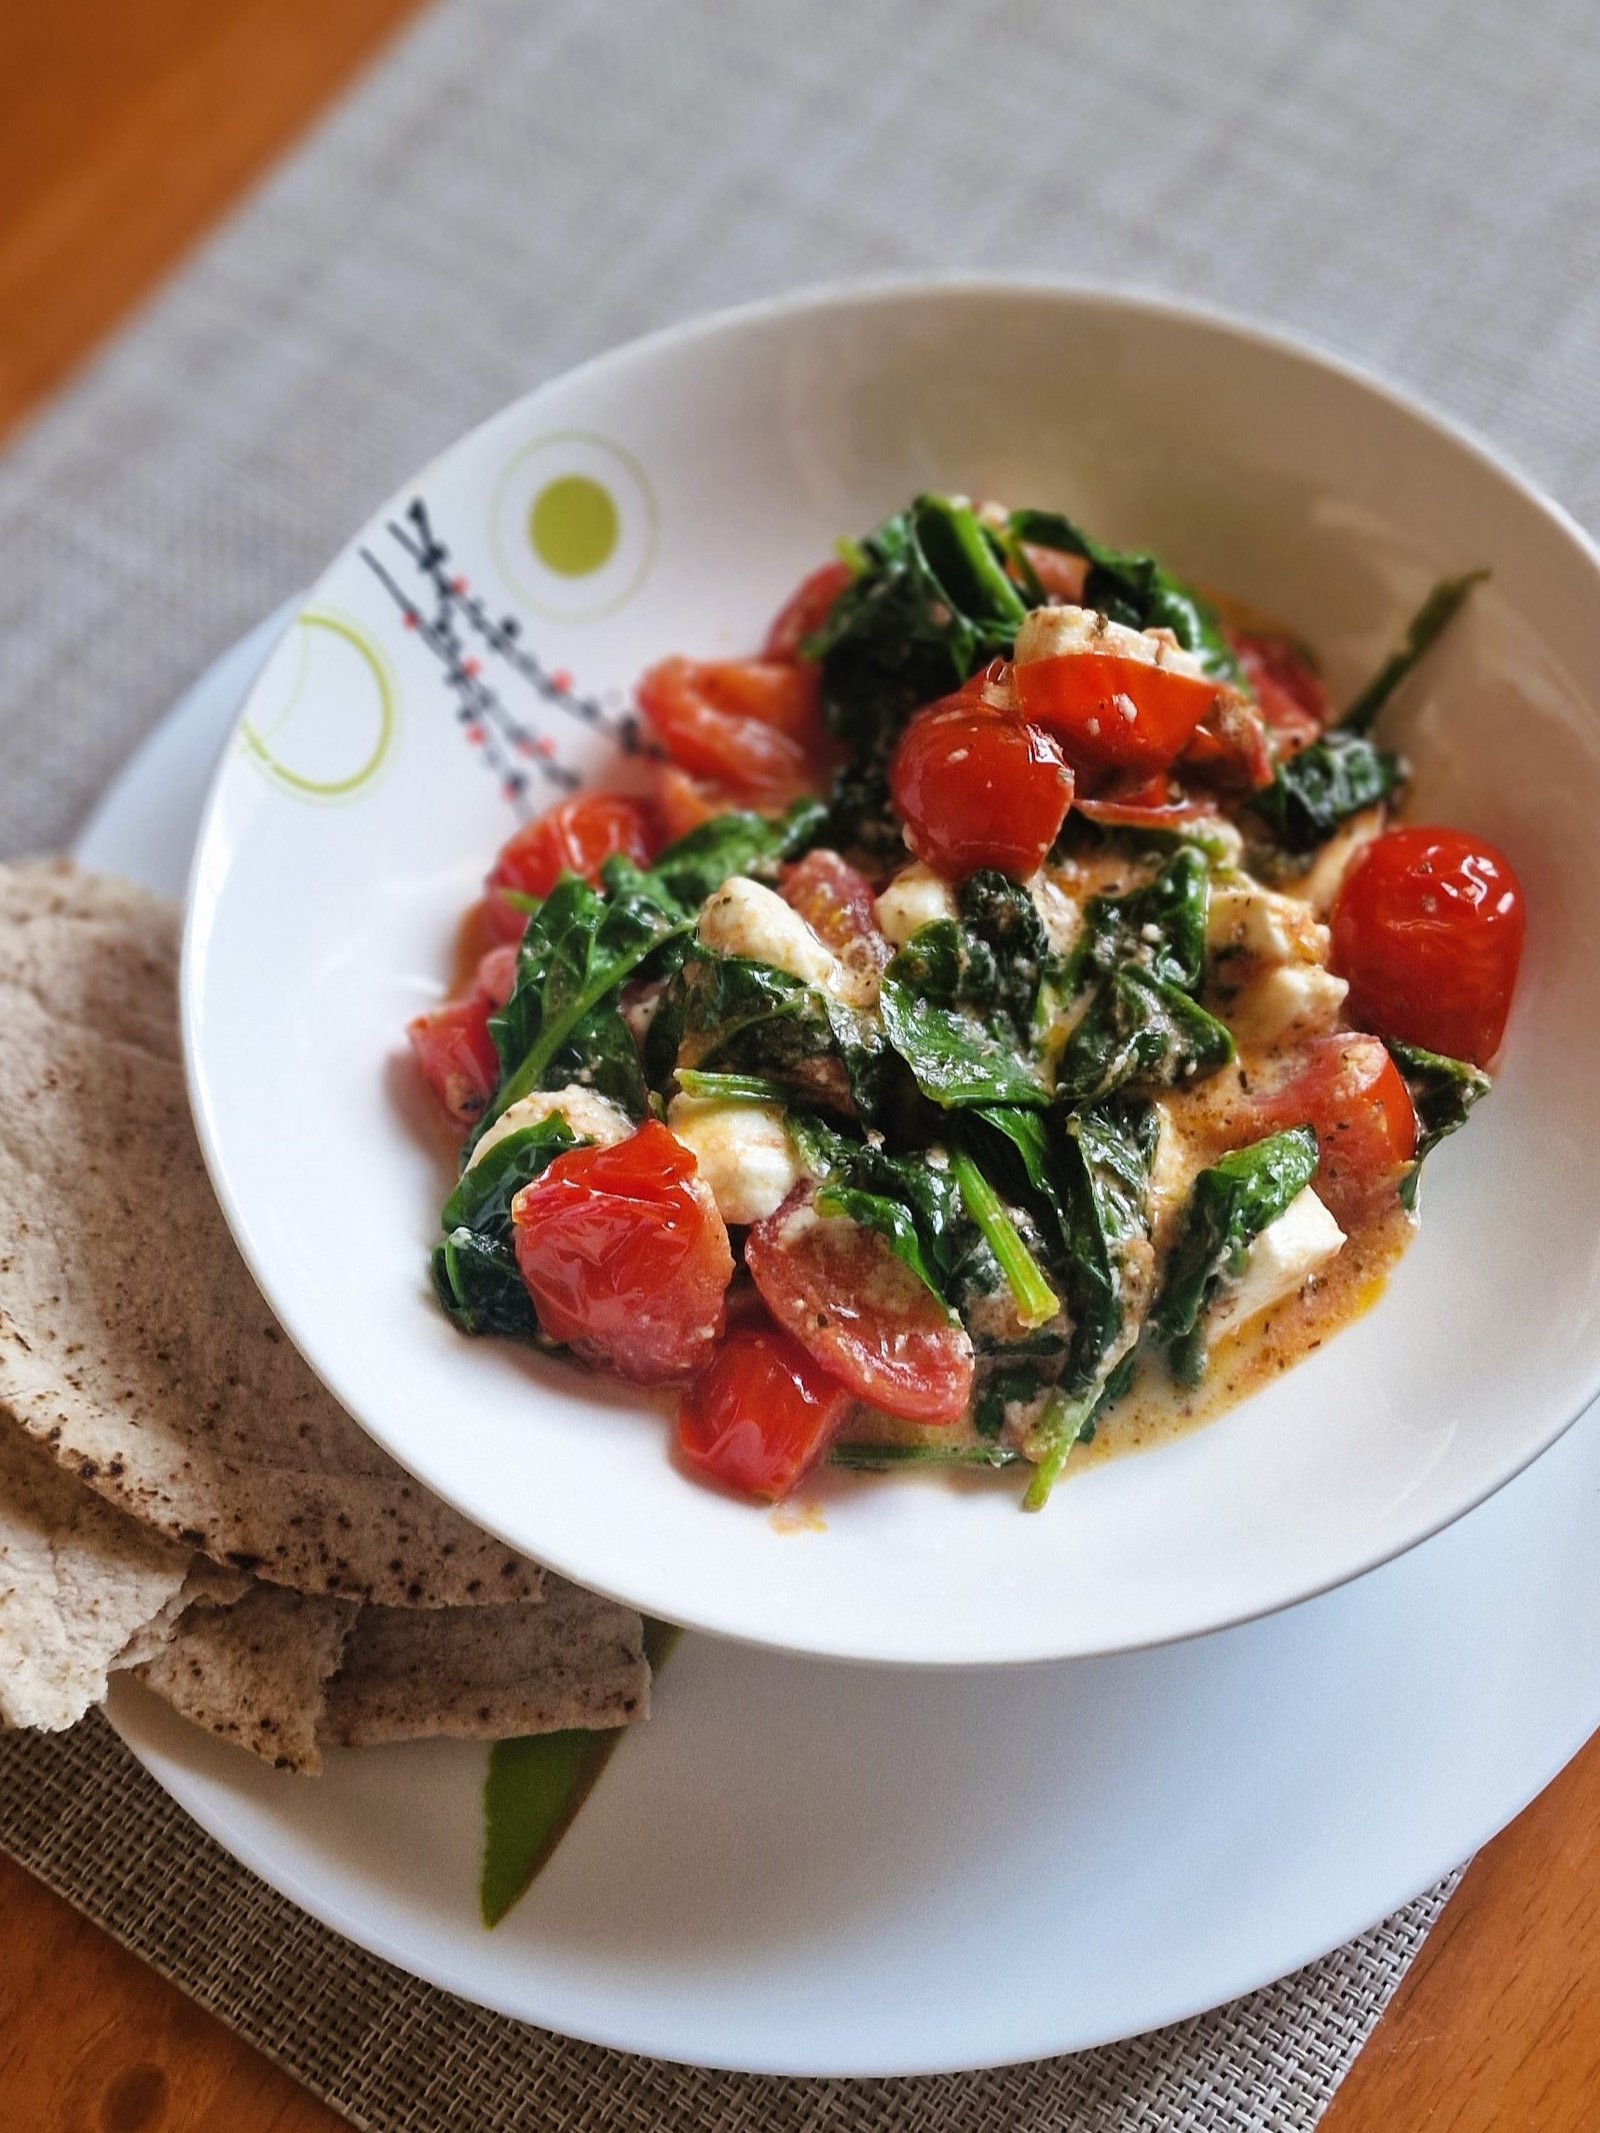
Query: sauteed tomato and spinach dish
x,y
1012,1015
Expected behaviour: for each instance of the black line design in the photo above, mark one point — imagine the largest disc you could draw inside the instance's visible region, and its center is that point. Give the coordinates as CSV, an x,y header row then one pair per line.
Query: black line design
x,y
466,639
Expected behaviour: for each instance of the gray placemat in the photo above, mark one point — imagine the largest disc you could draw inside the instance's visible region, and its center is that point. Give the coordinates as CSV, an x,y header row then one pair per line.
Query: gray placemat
x,y
400,2057
514,188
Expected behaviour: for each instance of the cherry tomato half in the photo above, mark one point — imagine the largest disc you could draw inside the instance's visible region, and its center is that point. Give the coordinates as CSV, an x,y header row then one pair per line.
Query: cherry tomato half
x,y
805,610
860,1311
577,836
1113,713
837,903
760,1413
625,1256
1428,927
754,726
1289,691
456,1056
975,788
1349,1091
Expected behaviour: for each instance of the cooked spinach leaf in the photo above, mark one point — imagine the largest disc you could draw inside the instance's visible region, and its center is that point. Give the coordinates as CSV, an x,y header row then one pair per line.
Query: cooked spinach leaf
x,y
1160,926
1343,771
1138,1032
930,605
1007,1383
697,865
915,1204
1443,1091
1229,1206
480,1287
562,1021
484,1192
1132,588
1322,786
730,1015
735,1088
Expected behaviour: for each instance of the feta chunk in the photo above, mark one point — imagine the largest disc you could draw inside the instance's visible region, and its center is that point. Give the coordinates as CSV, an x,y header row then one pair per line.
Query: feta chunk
x,y
1280,1262
1244,918
745,918
1054,632
914,899
1289,1000
589,1117
1060,914
1320,884
743,1151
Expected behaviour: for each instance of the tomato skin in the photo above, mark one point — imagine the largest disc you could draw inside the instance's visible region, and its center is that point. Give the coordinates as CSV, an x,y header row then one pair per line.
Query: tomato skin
x,y
805,610
1428,927
1111,713
1061,576
753,726
626,1257
456,1056
760,1413
1350,1092
1140,802
975,788
840,1291
1289,691
576,836
837,903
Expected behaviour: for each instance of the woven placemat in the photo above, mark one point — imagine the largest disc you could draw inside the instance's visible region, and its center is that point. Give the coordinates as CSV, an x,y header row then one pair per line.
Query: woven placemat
x,y
1416,186
400,2057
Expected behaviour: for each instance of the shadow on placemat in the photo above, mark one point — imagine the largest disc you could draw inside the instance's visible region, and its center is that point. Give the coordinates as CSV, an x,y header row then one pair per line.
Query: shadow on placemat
x,y
398,2056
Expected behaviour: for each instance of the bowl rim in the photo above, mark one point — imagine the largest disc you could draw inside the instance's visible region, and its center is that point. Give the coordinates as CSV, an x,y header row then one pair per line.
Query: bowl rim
x,y
840,295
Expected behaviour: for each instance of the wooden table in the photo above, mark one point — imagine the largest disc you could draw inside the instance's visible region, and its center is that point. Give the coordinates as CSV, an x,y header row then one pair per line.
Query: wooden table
x,y
125,129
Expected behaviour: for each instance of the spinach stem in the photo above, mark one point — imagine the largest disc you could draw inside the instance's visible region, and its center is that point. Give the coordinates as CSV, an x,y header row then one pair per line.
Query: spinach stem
x,y
1429,622
1064,1421
867,1458
749,1088
1037,1303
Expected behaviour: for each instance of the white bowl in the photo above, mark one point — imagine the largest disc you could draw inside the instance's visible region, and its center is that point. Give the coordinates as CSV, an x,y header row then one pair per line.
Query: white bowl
x,y
353,816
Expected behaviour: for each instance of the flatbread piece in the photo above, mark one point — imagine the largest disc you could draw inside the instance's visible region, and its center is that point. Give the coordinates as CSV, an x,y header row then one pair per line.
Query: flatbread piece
x,y
133,1342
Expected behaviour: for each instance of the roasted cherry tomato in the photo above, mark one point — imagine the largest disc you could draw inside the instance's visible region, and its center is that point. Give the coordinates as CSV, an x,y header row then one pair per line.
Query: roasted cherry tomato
x,y
860,1311
1428,928
1061,576
1136,801
625,1256
683,802
1349,1091
1235,746
976,788
805,610
1113,713
760,1413
1289,691
456,1055
754,726
577,836
837,903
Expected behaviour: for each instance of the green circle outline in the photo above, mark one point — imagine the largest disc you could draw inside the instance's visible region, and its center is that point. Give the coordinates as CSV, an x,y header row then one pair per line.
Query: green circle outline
x,y
651,514
338,625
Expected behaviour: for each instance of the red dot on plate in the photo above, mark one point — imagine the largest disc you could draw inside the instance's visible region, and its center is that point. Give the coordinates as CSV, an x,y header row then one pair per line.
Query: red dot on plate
x,y
475,734
545,745
561,679
409,618
458,585
472,668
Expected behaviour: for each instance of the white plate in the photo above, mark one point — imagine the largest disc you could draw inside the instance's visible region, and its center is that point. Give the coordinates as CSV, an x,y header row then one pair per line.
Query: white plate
x,y
812,1869
737,451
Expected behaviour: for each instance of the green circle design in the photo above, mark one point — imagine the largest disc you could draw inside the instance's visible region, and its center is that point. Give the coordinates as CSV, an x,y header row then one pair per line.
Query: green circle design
x,y
573,525
330,788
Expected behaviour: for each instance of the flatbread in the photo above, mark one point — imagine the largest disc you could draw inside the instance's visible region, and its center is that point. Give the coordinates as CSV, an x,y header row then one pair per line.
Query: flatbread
x,y
257,1672
133,1342
78,1580
489,1674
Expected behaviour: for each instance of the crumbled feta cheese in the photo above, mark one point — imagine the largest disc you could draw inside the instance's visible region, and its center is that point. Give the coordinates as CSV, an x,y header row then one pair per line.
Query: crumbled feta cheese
x,y
1061,914
1291,999
914,899
1054,632
743,1151
1247,919
589,1117
1282,1259
746,919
